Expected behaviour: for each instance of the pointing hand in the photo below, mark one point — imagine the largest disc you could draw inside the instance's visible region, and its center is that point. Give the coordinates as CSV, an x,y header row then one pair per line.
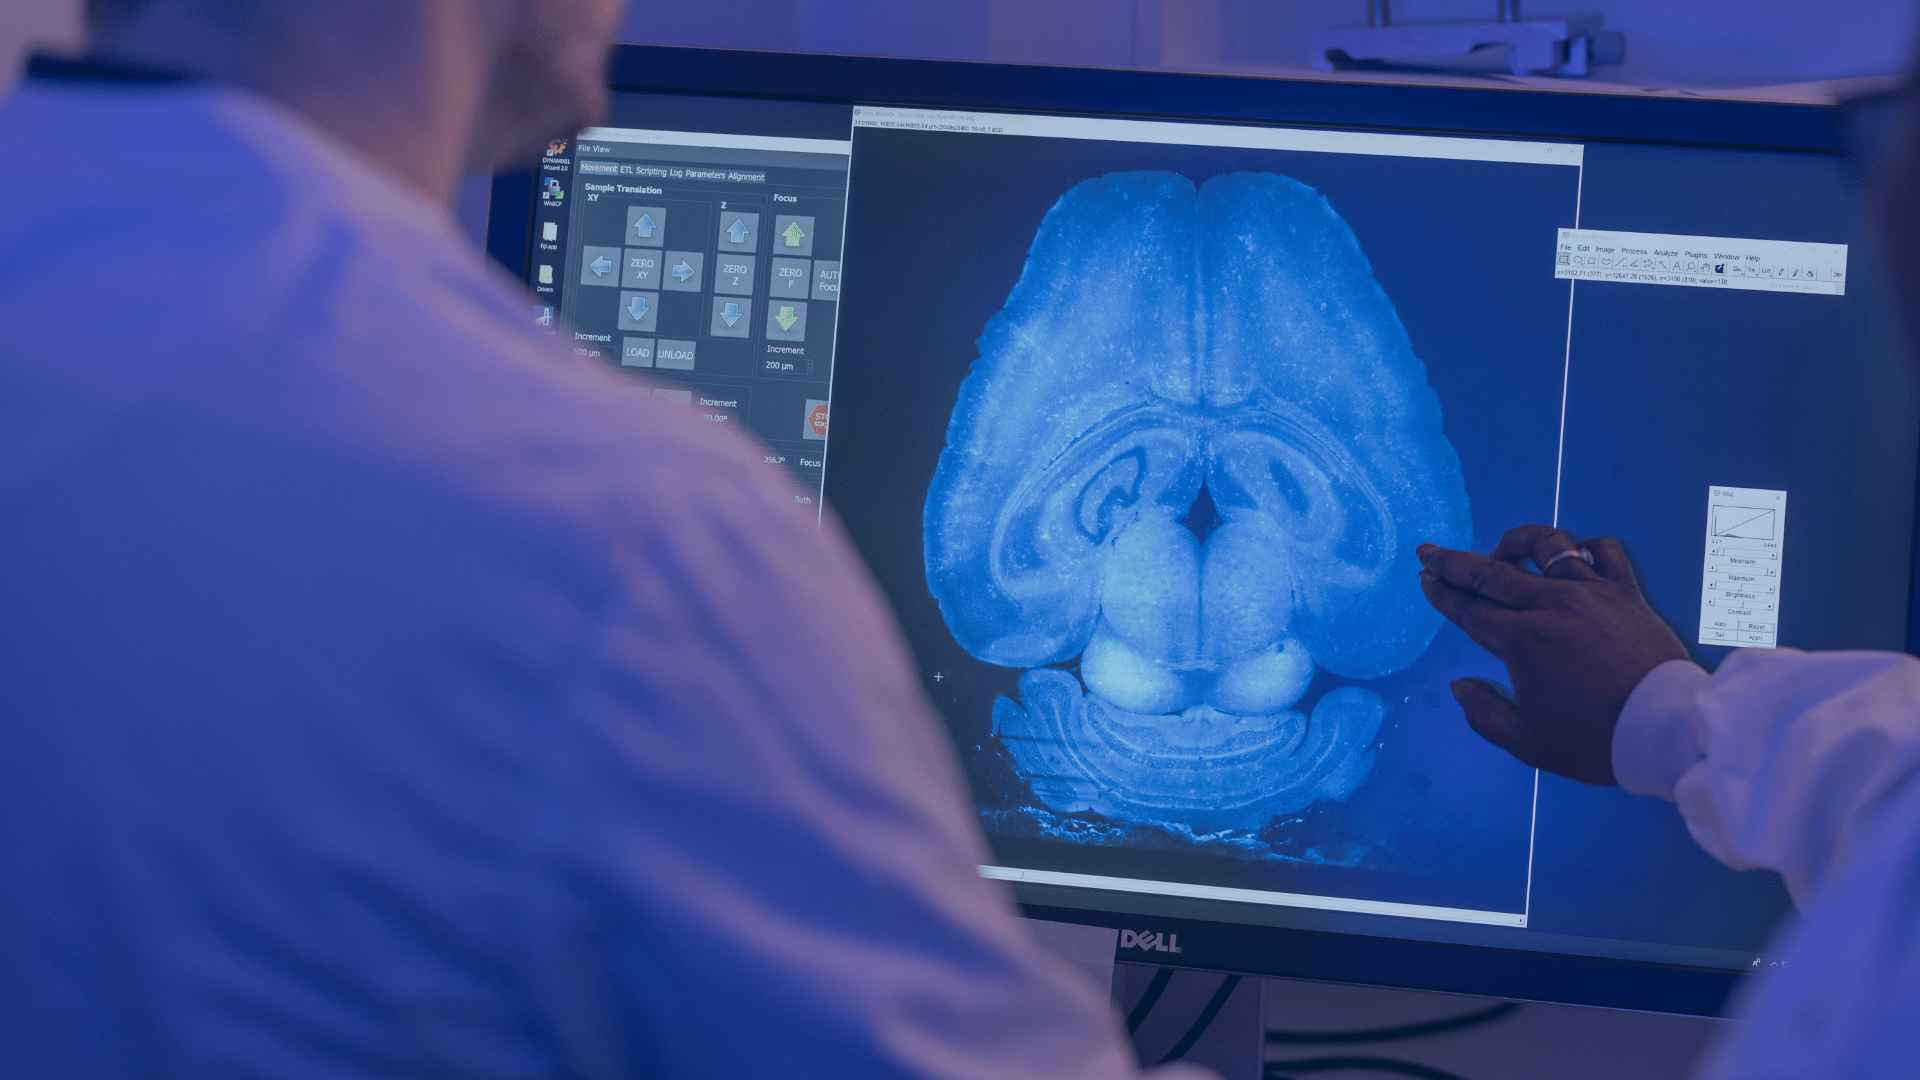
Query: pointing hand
x,y
1576,639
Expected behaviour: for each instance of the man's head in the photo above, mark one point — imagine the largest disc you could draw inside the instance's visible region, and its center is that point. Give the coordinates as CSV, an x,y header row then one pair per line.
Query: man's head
x,y
548,78
407,82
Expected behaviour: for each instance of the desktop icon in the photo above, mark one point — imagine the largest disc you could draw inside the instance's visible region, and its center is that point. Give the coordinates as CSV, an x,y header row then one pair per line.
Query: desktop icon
x,y
557,147
546,274
551,190
543,316
550,232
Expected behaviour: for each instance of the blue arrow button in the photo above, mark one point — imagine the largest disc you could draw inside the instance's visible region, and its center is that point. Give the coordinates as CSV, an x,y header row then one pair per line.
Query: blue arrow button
x,y
730,314
637,309
644,226
681,270
601,266
738,231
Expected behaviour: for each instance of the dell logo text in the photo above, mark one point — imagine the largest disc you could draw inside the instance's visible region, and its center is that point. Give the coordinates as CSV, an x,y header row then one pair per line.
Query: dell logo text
x,y
1150,941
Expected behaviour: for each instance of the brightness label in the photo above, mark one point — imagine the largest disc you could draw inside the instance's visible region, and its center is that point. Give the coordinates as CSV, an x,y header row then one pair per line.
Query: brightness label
x,y
1740,585
1708,262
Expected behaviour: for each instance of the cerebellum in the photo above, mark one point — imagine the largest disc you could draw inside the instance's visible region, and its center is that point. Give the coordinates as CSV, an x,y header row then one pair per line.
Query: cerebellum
x,y
1195,453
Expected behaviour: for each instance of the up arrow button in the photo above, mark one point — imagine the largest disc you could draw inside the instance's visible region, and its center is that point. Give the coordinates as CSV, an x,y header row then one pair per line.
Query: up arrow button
x,y
739,231
796,233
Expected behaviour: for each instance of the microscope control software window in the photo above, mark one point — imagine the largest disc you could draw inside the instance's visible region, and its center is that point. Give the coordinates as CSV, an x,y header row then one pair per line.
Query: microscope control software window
x,y
710,262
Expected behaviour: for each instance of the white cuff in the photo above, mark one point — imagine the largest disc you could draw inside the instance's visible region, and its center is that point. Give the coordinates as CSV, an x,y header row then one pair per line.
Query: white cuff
x,y
1653,745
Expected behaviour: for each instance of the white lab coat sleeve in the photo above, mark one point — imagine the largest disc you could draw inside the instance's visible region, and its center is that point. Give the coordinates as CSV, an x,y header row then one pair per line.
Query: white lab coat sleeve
x,y
1780,759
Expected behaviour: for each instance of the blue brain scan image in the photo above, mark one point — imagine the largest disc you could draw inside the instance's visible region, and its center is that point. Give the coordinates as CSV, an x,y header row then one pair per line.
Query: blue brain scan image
x,y
1180,490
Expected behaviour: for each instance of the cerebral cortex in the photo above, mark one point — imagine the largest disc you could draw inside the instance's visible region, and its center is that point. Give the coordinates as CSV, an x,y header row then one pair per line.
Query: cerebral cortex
x,y
1194,455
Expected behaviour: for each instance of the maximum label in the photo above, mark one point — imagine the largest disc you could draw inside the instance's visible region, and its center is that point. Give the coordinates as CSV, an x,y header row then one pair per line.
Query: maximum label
x,y
1740,581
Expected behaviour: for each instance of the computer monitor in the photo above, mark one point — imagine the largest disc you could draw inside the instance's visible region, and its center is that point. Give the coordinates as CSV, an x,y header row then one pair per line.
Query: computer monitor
x,y
1143,387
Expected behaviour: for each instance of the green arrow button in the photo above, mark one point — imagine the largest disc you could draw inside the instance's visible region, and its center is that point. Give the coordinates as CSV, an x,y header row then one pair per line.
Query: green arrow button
x,y
794,234
787,317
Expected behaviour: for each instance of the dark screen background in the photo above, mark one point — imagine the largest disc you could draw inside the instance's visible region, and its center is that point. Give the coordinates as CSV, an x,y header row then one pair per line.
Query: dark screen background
x,y
1442,819
1674,389
1671,389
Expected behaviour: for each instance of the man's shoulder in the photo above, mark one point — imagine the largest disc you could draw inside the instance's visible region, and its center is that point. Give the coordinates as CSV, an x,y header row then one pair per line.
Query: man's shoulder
x,y
255,281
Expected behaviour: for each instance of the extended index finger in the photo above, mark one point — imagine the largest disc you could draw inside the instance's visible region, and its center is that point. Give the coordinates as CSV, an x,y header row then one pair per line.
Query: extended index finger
x,y
1501,582
1486,622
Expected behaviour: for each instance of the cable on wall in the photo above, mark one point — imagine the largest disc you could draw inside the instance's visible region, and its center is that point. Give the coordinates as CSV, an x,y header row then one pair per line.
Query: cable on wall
x,y
1204,1020
1147,1000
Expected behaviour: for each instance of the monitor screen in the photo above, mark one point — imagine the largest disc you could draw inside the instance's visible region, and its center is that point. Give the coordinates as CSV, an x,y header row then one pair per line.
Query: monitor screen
x,y
1137,419
697,243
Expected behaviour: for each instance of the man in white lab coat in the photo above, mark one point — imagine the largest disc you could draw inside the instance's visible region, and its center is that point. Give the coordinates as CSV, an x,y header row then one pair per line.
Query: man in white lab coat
x,y
382,691
1805,763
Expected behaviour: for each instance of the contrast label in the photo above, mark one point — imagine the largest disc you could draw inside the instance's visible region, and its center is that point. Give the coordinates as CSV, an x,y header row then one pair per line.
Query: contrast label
x,y
1740,587
1711,262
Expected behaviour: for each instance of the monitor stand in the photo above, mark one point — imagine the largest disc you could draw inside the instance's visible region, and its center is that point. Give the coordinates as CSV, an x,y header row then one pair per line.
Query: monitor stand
x,y
1233,1042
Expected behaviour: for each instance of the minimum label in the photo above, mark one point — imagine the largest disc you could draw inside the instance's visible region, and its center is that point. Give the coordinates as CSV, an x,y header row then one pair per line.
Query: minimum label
x,y
1740,585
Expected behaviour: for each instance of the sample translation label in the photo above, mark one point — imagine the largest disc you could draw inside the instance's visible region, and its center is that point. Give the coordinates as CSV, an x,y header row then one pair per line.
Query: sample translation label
x,y
1711,262
1740,586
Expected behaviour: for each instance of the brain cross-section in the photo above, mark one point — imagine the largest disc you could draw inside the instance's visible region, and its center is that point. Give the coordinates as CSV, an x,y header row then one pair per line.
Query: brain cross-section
x,y
1195,455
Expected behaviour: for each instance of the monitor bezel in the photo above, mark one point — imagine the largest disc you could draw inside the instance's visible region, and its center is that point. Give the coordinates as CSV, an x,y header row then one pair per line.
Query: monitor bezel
x,y
1493,110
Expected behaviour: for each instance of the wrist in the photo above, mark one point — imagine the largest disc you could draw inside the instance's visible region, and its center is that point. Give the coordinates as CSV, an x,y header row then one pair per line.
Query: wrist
x,y
1653,742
